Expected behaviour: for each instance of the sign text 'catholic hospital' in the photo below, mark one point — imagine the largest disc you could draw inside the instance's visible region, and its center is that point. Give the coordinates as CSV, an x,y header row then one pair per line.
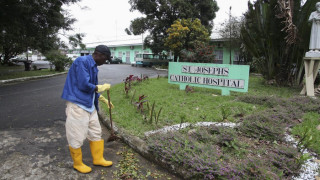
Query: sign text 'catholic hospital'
x,y
233,83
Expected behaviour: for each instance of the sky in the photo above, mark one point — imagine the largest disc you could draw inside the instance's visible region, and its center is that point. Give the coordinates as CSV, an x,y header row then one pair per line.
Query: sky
x,y
104,21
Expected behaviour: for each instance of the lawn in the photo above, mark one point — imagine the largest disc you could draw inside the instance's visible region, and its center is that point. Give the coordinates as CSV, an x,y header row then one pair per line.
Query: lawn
x,y
13,72
179,106
255,149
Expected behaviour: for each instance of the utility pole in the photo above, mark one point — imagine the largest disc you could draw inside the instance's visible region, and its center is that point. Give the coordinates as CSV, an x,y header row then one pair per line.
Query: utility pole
x,y
230,33
142,42
116,22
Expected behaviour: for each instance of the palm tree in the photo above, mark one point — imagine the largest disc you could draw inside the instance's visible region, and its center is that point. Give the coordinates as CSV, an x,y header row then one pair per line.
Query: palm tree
x,y
276,34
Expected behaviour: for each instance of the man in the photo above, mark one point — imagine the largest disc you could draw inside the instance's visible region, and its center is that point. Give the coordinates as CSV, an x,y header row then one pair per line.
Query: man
x,y
82,94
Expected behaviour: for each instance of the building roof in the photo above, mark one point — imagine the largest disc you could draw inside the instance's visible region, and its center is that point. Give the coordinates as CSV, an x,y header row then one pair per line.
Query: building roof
x,y
129,42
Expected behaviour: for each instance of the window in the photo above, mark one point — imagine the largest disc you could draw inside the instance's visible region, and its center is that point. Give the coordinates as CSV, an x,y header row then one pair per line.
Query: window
x,y
147,56
236,56
120,54
135,54
219,55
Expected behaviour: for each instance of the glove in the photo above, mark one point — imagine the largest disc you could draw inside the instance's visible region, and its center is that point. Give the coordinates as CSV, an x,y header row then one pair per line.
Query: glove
x,y
103,87
104,100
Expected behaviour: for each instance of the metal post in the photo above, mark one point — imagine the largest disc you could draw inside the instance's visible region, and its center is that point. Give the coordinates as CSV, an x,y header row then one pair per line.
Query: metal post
x,y
230,34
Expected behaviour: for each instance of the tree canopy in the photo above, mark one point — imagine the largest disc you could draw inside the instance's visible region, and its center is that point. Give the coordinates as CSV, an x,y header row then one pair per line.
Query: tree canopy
x,y
186,34
161,14
29,24
231,28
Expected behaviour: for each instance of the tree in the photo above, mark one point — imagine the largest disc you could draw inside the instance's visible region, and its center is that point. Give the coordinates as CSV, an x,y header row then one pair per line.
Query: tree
x,y
161,14
59,60
31,25
276,46
230,30
186,34
201,53
76,40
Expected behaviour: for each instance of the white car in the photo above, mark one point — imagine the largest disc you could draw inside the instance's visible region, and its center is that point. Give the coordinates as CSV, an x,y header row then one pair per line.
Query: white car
x,y
41,64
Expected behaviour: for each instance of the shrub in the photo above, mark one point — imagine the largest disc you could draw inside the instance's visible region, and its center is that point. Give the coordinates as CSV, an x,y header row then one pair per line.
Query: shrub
x,y
283,158
262,127
302,104
269,101
201,54
202,160
255,168
308,133
209,153
59,60
306,104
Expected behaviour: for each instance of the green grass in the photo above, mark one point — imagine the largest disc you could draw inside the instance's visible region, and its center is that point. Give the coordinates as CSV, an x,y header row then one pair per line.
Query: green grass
x,y
13,72
204,105
309,125
258,87
8,68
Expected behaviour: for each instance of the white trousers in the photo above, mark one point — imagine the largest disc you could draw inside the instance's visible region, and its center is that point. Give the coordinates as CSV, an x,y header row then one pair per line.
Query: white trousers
x,y
80,125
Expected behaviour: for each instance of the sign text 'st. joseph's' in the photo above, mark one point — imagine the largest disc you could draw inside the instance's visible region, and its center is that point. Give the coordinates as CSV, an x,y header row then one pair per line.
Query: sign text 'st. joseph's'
x,y
205,70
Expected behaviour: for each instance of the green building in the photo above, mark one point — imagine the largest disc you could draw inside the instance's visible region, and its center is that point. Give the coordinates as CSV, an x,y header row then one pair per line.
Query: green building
x,y
127,52
223,52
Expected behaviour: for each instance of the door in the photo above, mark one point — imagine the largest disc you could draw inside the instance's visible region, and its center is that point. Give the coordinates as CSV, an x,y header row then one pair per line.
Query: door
x,y
128,57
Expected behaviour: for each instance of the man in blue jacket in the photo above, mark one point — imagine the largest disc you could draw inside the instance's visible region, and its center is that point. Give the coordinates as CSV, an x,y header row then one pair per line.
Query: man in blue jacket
x,y
81,90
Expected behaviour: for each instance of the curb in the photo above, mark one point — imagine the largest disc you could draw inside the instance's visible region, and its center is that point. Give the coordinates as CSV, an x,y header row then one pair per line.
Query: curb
x,y
134,142
161,69
29,78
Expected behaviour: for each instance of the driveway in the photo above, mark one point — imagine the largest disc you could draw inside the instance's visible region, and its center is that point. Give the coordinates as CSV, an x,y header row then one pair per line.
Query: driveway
x,y
116,73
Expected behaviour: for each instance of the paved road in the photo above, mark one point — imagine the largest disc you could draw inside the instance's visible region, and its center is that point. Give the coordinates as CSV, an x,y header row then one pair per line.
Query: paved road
x,y
33,143
37,103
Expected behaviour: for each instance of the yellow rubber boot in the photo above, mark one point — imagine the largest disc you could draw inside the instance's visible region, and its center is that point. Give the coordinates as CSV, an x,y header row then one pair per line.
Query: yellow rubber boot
x,y
97,148
76,155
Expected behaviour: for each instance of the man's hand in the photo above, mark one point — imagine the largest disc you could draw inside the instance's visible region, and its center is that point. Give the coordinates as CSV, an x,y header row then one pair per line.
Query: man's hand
x,y
104,100
101,88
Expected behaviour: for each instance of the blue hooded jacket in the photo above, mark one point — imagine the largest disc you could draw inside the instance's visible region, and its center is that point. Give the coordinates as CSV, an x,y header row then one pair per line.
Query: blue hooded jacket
x,y
81,82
